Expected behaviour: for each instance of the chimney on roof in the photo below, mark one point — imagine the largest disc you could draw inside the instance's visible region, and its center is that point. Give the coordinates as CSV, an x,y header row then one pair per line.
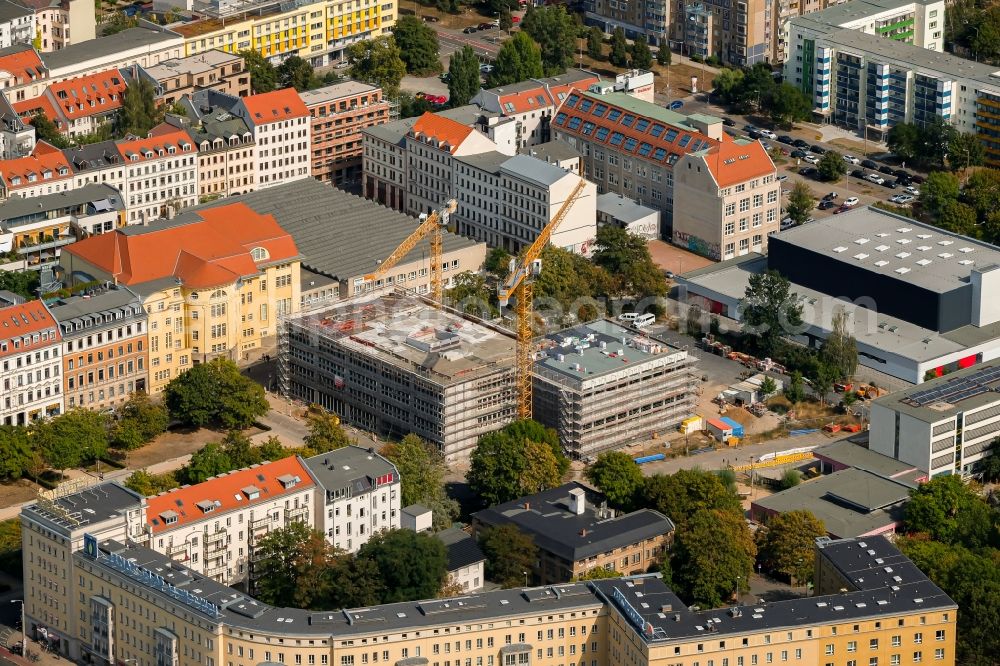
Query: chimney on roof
x,y
527,506
583,532
666,608
577,501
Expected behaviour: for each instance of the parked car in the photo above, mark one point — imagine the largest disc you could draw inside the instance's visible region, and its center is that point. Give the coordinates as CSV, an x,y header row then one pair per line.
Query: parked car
x,y
486,26
901,199
431,19
786,224
754,135
875,178
852,159
869,164
912,190
471,29
809,172
769,134
676,104
818,149
729,122
917,178
782,178
850,202
784,138
887,170
830,196
826,204
516,19
858,173
485,69
891,184
749,128
800,143
812,159
799,154
843,209
901,173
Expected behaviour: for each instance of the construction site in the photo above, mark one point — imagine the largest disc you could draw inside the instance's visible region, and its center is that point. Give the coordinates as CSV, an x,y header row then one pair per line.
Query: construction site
x,y
603,386
399,364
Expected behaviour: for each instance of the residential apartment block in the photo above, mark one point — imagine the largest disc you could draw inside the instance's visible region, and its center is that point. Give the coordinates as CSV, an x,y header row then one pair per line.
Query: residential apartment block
x,y
396,365
739,33
59,23
338,114
17,23
44,171
507,201
105,346
282,134
80,105
226,147
595,401
358,495
631,147
213,282
161,173
97,532
32,365
215,527
211,70
732,200
650,19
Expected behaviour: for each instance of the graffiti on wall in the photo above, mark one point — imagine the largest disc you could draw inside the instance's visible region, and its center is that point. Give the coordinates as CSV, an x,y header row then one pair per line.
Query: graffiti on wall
x,y
697,245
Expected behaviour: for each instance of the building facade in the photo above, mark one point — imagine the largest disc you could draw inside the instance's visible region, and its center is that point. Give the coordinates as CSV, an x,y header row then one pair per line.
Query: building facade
x,y
211,70
32,363
226,149
338,113
59,23
161,174
281,129
104,347
739,33
17,24
80,105
650,19
45,171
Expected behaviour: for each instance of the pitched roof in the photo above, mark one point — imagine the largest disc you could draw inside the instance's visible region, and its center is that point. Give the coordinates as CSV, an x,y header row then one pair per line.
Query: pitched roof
x,y
88,95
732,162
449,133
36,105
161,139
205,249
46,163
26,319
274,106
21,62
462,550
226,492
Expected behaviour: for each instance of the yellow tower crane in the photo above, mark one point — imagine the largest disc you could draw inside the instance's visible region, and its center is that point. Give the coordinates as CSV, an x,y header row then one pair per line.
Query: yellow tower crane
x,y
519,285
429,225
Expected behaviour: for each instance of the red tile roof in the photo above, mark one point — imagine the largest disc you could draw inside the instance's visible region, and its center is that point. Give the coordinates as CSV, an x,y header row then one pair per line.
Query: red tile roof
x,y
274,106
45,164
88,95
445,131
34,106
534,99
211,250
23,65
228,492
26,319
157,144
732,163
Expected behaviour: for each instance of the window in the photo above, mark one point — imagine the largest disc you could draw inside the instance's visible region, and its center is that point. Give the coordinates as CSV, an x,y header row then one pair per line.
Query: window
x,y
939,654
918,638
729,229
872,661
873,644
894,660
829,650
939,635
852,646
896,641
918,656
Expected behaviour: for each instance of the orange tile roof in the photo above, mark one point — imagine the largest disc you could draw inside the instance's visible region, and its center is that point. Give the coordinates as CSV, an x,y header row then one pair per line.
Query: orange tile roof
x,y
45,164
28,318
156,145
443,130
526,101
274,106
225,493
23,65
732,163
88,95
34,106
211,248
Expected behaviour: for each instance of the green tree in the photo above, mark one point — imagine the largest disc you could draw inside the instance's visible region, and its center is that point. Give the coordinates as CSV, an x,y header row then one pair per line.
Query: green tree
x,y
935,139
296,73
506,18
411,566
599,573
965,150
595,43
147,484
790,479
240,450
11,561
279,565
118,22
325,431
787,543
617,476
958,218
215,393
472,295
272,449
788,104
800,203
46,130
663,55
904,141
378,62
497,263
619,49
519,59
22,283
768,387
356,583
139,112
940,189
948,510
982,191
840,350
570,279
713,554
831,166
769,309
756,89
418,45
680,495
989,467
17,454
208,461
625,258
727,84
263,76
509,554
421,471
823,377
510,463
795,391
642,57
555,32
139,421
72,438
411,107
463,76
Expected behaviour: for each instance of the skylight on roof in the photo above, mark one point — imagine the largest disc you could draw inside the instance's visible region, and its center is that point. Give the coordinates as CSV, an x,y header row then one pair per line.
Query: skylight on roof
x,y
923,262
881,248
839,248
923,236
903,241
904,230
860,256
966,262
946,242
903,270
946,255
861,241
881,263
923,248
902,255
965,250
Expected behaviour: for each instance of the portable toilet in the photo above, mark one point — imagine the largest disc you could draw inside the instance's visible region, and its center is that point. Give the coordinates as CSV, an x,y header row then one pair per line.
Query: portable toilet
x,y
691,424
719,429
737,429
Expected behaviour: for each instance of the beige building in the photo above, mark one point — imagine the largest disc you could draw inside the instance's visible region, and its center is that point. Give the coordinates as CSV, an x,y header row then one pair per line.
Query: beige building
x,y
731,200
211,70
214,283
59,23
282,133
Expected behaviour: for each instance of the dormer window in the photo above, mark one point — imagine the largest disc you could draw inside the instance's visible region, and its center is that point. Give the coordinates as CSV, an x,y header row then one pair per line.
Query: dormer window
x,y
169,517
207,506
289,481
251,492
260,254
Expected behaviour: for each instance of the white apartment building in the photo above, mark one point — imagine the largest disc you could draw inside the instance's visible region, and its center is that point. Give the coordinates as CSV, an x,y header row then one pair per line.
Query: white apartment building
x,y
732,200
32,365
358,495
507,201
44,171
161,174
214,527
97,163
281,127
17,24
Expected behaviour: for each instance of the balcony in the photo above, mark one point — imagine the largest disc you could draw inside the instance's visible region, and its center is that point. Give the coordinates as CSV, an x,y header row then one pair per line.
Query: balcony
x,y
216,569
300,514
215,541
178,553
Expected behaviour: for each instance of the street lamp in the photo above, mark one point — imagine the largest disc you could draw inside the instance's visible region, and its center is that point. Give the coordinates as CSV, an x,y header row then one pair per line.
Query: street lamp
x,y
738,588
525,578
24,629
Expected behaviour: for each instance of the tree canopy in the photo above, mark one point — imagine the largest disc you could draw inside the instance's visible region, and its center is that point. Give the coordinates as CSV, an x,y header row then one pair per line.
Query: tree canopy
x,y
411,565
800,202
831,166
840,349
378,62
617,476
22,283
948,510
217,394
769,310
463,76
713,555
509,554
626,259
521,459
139,112
325,431
555,32
46,130
619,49
787,544
421,471
139,421
75,436
263,77
418,45
642,57
680,495
519,59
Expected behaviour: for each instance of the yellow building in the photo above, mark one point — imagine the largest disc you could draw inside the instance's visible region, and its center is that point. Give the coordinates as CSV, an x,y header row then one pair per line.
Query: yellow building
x,y
213,283
318,32
94,595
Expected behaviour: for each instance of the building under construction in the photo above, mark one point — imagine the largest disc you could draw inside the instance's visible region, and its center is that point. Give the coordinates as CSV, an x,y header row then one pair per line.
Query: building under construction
x,y
395,365
603,386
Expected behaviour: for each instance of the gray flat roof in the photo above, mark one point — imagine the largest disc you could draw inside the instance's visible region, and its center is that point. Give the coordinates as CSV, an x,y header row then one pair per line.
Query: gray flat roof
x,y
622,208
535,170
126,40
350,466
846,452
335,91
16,207
934,395
121,299
200,62
553,527
551,151
11,10
339,234
490,161
856,10
89,506
851,502
567,77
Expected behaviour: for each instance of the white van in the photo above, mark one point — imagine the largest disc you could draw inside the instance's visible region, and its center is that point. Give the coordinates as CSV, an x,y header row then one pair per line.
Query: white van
x,y
627,317
643,321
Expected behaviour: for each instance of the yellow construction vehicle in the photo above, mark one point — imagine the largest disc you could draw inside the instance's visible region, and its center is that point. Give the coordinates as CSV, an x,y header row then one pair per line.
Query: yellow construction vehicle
x,y
519,285
433,225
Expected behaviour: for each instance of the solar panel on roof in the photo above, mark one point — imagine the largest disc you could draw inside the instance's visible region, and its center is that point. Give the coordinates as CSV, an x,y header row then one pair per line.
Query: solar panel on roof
x,y
957,390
